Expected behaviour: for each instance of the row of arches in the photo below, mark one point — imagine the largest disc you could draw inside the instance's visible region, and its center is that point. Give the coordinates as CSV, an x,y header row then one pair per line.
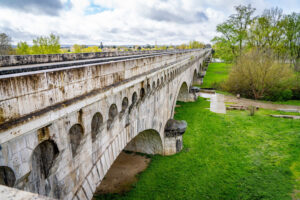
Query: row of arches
x,y
41,165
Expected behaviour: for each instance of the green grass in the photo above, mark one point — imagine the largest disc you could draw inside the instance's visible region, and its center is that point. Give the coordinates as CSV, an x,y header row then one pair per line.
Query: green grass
x,y
232,156
216,73
289,102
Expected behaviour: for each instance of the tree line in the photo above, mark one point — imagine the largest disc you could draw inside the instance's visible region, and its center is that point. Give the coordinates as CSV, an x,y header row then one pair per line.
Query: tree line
x,y
264,51
51,45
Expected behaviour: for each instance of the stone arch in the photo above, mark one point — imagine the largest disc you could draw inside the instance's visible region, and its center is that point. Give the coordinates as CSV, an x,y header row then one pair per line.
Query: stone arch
x,y
112,113
165,77
7,176
148,88
183,94
76,134
157,82
142,93
124,104
96,123
195,78
147,141
42,161
133,98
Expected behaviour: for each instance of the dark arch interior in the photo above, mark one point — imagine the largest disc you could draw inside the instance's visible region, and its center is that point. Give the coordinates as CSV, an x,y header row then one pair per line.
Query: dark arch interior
x,y
147,141
124,104
157,82
134,98
153,85
97,121
76,133
7,176
148,88
43,159
142,93
112,113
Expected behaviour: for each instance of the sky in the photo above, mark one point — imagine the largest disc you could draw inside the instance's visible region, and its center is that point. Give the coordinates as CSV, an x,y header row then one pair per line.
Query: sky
x,y
123,22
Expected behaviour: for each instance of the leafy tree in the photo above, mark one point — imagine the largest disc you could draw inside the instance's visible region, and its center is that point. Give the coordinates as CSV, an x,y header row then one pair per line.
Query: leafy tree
x,y
5,44
101,46
46,45
257,74
234,31
291,27
77,48
195,45
23,48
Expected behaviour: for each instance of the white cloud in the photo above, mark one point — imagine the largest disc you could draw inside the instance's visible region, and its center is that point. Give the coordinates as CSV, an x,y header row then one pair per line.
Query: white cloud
x,y
124,22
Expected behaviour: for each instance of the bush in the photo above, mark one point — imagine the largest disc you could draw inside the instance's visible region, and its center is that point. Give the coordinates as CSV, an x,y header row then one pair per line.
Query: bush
x,y
258,75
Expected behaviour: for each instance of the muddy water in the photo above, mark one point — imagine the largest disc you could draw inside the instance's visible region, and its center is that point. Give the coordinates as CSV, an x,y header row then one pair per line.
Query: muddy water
x,y
122,174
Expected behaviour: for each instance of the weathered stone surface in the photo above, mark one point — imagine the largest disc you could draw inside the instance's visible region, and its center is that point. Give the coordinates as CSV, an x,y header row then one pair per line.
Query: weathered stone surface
x,y
175,128
9,193
62,99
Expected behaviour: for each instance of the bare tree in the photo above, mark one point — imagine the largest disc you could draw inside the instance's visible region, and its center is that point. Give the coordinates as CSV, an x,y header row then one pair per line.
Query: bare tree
x,y
5,44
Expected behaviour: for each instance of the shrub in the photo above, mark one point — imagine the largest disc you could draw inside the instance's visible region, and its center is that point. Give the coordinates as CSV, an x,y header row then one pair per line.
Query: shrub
x,y
258,75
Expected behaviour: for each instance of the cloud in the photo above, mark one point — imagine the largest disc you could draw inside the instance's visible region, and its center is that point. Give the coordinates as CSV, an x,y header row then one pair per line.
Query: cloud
x,y
119,22
49,7
167,16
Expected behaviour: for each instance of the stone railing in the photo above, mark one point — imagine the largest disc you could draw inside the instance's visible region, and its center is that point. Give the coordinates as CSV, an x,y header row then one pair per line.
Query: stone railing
x,y
13,60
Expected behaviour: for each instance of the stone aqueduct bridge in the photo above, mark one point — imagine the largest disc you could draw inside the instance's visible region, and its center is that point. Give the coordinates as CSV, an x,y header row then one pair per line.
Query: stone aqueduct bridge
x,y
62,127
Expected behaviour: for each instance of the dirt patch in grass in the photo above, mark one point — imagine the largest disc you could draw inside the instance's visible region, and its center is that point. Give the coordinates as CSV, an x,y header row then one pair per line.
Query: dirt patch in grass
x,y
122,174
260,104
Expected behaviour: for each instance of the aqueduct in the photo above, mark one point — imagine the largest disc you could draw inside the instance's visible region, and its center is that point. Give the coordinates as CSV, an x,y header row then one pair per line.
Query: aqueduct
x,y
62,124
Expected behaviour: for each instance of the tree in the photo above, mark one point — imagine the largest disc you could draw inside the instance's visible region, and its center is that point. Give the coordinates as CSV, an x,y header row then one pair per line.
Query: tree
x,y
77,48
234,31
23,48
101,46
5,44
195,45
46,45
291,28
258,75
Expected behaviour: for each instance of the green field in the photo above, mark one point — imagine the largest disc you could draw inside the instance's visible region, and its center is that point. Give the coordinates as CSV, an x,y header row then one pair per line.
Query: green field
x,y
232,156
216,73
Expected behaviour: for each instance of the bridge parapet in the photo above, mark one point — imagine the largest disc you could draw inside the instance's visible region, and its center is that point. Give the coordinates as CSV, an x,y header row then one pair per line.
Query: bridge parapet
x,y
14,60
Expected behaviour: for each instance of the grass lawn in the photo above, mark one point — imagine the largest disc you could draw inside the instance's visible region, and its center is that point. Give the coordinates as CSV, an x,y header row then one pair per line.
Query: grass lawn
x,y
216,72
232,156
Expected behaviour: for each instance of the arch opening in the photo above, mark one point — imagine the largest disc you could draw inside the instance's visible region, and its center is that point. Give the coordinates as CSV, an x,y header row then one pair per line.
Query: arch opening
x,y
112,113
195,78
7,176
142,93
124,105
42,161
97,122
76,134
148,142
122,173
183,94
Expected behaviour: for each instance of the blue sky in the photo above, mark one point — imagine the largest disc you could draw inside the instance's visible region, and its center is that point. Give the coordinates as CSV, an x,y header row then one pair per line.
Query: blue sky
x,y
122,22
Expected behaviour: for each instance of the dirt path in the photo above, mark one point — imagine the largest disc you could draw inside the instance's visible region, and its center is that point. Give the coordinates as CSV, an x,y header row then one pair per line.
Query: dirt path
x,y
250,102
122,173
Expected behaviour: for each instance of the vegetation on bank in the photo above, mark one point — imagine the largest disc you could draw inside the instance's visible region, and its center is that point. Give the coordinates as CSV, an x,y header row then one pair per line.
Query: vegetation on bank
x,y
216,74
264,51
232,156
